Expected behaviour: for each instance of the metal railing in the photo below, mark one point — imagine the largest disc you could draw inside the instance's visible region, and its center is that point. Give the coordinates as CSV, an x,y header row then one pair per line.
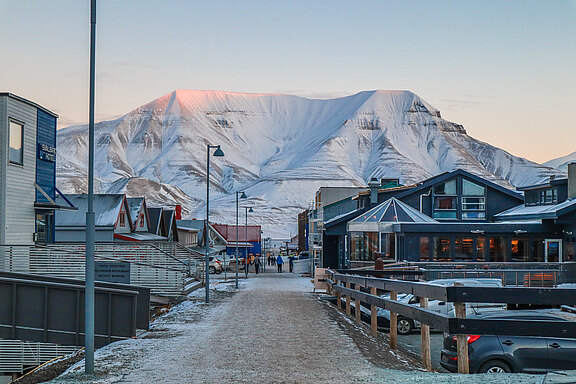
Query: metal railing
x,y
162,266
17,355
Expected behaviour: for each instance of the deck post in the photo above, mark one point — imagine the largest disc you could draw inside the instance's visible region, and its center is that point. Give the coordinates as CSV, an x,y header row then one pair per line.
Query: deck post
x,y
348,308
425,335
393,324
357,305
461,340
373,314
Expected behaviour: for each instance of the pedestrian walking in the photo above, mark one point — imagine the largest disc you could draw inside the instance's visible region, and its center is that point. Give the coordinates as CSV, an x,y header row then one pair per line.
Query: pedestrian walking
x,y
291,263
279,263
257,265
273,260
269,260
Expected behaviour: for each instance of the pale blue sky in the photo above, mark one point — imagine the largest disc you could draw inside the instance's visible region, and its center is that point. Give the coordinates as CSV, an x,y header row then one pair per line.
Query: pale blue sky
x,y
503,69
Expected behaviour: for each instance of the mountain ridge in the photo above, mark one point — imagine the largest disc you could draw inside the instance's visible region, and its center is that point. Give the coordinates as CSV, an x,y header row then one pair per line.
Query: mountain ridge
x,y
279,148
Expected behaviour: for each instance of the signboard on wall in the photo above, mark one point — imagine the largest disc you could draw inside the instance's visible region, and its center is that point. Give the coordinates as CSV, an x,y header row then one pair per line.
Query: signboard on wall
x,y
112,271
46,152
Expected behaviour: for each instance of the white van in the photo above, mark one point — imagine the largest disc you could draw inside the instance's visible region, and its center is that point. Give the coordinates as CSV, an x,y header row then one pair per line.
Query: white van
x,y
406,324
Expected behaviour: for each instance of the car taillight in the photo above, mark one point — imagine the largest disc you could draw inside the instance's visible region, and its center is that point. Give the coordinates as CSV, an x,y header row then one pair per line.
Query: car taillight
x,y
469,338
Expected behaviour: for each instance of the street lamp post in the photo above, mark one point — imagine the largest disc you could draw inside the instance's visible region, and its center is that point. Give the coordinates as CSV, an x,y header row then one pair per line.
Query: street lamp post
x,y
243,196
248,209
89,293
218,153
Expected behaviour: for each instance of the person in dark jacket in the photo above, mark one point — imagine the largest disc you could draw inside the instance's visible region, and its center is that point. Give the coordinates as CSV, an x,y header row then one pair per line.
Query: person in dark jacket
x,y
291,263
257,264
279,263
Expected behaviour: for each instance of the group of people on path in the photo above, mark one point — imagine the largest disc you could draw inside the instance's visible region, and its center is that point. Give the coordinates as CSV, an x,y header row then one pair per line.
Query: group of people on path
x,y
279,261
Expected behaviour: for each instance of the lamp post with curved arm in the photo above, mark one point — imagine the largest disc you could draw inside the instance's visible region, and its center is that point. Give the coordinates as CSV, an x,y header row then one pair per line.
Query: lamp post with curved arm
x,y
217,153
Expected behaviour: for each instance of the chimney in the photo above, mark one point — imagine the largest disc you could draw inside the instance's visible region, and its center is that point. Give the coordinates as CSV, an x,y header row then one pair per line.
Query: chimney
x,y
373,185
572,180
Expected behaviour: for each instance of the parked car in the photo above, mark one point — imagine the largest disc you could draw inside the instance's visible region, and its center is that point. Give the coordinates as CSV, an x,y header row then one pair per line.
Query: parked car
x,y
501,353
303,255
215,265
406,325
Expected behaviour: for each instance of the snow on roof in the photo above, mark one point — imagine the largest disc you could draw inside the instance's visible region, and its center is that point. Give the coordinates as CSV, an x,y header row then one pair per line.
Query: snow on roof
x,y
538,211
106,210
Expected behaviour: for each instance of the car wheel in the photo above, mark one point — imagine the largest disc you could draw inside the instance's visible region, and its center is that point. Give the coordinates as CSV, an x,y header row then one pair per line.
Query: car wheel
x,y
219,271
405,326
494,366
211,269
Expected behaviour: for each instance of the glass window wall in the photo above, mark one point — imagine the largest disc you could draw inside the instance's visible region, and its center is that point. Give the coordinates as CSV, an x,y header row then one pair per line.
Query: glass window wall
x,y
441,250
538,250
463,249
16,154
481,249
519,249
497,249
424,249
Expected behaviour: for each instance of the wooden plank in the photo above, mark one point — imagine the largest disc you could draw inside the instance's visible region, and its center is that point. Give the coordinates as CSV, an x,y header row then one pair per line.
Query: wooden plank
x,y
393,324
425,336
357,309
348,309
374,314
461,340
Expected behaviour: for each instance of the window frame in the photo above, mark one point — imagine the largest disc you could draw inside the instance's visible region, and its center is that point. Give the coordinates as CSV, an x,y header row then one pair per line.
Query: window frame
x,y
12,122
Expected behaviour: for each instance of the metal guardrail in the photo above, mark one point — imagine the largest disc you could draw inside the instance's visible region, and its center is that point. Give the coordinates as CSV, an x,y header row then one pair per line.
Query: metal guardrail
x,y
459,295
159,266
16,355
53,312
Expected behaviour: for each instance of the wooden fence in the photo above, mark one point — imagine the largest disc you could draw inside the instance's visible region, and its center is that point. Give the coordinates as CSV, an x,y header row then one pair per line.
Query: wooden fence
x,y
365,289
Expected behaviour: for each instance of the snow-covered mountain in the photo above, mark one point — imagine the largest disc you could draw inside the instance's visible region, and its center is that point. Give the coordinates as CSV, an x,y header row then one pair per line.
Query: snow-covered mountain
x,y
561,163
279,149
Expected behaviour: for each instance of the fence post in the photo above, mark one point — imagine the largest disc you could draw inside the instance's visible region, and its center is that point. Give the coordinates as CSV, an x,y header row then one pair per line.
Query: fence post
x,y
348,309
373,314
461,340
338,295
357,305
393,324
425,335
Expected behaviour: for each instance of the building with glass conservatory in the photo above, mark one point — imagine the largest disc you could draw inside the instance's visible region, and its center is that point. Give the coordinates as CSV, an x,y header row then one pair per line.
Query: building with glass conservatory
x,y
460,217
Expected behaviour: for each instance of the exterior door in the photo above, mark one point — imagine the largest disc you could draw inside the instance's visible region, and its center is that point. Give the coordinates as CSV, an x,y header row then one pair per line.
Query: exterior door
x,y
553,250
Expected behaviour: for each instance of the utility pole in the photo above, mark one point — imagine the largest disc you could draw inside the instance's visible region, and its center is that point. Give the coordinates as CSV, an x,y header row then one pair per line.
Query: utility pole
x,y
90,222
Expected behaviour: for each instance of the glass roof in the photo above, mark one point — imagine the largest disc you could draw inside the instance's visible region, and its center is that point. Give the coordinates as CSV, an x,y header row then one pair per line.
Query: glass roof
x,y
393,211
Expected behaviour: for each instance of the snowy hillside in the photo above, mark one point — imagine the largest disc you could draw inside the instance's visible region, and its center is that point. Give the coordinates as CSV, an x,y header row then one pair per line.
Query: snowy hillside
x,y
561,163
278,148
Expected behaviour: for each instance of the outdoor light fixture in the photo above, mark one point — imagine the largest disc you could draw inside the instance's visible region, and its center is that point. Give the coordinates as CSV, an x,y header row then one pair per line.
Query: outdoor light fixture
x,y
520,231
243,196
477,231
218,153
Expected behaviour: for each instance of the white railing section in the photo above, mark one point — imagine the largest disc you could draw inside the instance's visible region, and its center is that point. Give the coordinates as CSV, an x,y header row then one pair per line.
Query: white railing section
x,y
161,266
17,356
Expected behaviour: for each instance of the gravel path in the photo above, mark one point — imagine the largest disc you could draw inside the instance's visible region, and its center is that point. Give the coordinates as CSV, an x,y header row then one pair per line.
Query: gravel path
x,y
273,330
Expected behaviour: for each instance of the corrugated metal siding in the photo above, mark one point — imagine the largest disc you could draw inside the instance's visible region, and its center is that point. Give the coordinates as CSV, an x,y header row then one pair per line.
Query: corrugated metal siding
x,y
45,170
3,158
20,191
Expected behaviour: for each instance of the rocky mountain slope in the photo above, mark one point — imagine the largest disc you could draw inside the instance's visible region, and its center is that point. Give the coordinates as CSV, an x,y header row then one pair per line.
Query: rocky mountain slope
x,y
279,149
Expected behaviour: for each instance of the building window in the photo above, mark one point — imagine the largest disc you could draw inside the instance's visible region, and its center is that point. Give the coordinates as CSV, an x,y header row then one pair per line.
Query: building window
x,y
16,153
387,244
542,197
480,249
472,189
142,220
445,200
463,249
538,250
122,219
497,249
424,249
363,245
519,249
441,250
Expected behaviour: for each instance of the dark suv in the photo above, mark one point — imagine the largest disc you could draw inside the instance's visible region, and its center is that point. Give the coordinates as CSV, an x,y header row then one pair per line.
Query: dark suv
x,y
499,354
